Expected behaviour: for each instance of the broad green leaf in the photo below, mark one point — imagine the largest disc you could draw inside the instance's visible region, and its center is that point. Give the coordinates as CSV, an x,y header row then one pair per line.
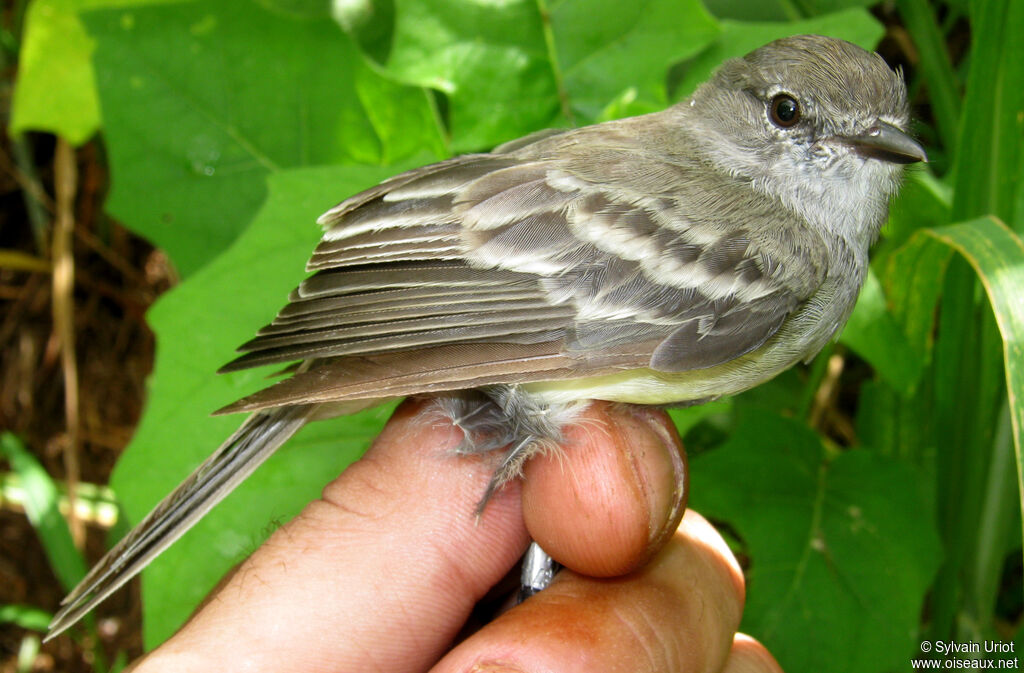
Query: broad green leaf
x,y
198,326
779,10
997,256
923,201
915,274
841,549
911,266
894,425
489,59
876,336
746,10
201,101
738,38
687,418
513,67
55,89
818,7
608,47
41,502
299,8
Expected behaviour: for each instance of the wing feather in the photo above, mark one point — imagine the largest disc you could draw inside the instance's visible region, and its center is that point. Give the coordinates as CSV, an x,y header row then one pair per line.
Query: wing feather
x,y
526,247
442,306
567,255
395,299
438,369
530,327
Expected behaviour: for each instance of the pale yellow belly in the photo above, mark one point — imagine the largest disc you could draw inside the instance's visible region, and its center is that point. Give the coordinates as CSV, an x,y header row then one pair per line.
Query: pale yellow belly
x,y
646,386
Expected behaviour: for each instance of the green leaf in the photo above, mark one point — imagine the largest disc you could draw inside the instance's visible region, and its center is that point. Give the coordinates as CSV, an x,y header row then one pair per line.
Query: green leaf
x,y
203,100
55,89
990,160
25,616
819,7
924,201
893,425
779,10
915,274
608,47
686,418
911,267
745,10
511,68
199,324
969,377
842,549
935,66
876,336
997,256
737,39
41,500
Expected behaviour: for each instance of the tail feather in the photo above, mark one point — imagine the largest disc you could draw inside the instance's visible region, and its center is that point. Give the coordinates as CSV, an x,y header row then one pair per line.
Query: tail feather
x,y
254,442
432,370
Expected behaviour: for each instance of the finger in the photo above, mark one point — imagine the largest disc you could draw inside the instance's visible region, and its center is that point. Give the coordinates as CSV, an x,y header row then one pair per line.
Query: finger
x,y
679,613
750,656
379,574
608,501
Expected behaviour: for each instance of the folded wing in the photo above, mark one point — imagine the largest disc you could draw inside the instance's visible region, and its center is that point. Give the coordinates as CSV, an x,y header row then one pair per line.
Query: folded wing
x,y
562,275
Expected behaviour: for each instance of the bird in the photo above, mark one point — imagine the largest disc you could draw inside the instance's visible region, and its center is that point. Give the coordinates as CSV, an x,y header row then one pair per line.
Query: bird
x,y
665,259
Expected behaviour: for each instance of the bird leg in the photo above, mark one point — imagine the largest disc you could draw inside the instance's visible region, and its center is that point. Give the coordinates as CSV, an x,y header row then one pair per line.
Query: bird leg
x,y
506,419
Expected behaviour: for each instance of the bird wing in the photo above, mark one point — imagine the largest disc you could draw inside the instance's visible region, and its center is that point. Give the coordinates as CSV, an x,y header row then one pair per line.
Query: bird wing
x,y
569,257
563,257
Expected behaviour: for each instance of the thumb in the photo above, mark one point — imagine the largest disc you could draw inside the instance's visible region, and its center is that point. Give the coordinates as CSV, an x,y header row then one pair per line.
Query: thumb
x,y
608,502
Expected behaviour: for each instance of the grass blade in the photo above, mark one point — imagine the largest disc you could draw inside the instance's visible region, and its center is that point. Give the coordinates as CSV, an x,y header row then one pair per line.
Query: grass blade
x,y
41,507
996,254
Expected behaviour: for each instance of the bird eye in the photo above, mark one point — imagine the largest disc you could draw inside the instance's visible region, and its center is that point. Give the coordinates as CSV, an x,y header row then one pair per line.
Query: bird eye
x,y
784,111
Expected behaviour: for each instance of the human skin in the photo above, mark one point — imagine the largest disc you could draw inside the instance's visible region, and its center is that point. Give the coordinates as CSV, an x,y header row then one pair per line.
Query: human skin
x,y
382,572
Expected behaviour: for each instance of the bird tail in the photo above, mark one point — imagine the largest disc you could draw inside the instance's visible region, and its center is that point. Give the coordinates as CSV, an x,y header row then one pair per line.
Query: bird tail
x,y
250,445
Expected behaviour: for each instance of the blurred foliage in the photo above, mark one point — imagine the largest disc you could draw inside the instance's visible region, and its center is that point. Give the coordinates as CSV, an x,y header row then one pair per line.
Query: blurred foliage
x,y
231,125
40,499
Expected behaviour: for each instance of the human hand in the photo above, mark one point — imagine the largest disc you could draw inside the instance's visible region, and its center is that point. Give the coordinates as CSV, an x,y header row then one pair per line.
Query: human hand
x,y
383,571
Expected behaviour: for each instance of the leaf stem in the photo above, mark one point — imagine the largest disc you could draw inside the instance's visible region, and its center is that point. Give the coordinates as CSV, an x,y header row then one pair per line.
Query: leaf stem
x,y
556,69
65,184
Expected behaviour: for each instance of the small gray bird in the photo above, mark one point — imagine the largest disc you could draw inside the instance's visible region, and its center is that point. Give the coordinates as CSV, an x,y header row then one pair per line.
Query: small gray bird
x,y
671,258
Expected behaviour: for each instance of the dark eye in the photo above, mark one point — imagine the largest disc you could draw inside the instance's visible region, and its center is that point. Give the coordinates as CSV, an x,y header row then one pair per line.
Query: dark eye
x,y
784,111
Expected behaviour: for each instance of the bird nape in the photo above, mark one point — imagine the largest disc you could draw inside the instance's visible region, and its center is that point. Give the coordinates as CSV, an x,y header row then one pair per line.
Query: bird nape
x,y
670,258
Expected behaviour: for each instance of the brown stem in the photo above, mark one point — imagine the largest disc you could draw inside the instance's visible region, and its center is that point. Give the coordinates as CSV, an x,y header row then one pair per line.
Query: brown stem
x,y
65,184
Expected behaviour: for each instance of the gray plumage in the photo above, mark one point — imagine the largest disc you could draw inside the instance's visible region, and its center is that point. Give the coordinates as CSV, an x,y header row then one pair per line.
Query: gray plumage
x,y
673,257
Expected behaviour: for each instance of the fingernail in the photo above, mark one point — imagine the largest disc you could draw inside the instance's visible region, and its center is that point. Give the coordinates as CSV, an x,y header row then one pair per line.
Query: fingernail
x,y
670,466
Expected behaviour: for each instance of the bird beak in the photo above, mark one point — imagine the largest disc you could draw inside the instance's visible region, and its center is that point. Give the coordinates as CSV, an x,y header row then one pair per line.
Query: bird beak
x,y
888,143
